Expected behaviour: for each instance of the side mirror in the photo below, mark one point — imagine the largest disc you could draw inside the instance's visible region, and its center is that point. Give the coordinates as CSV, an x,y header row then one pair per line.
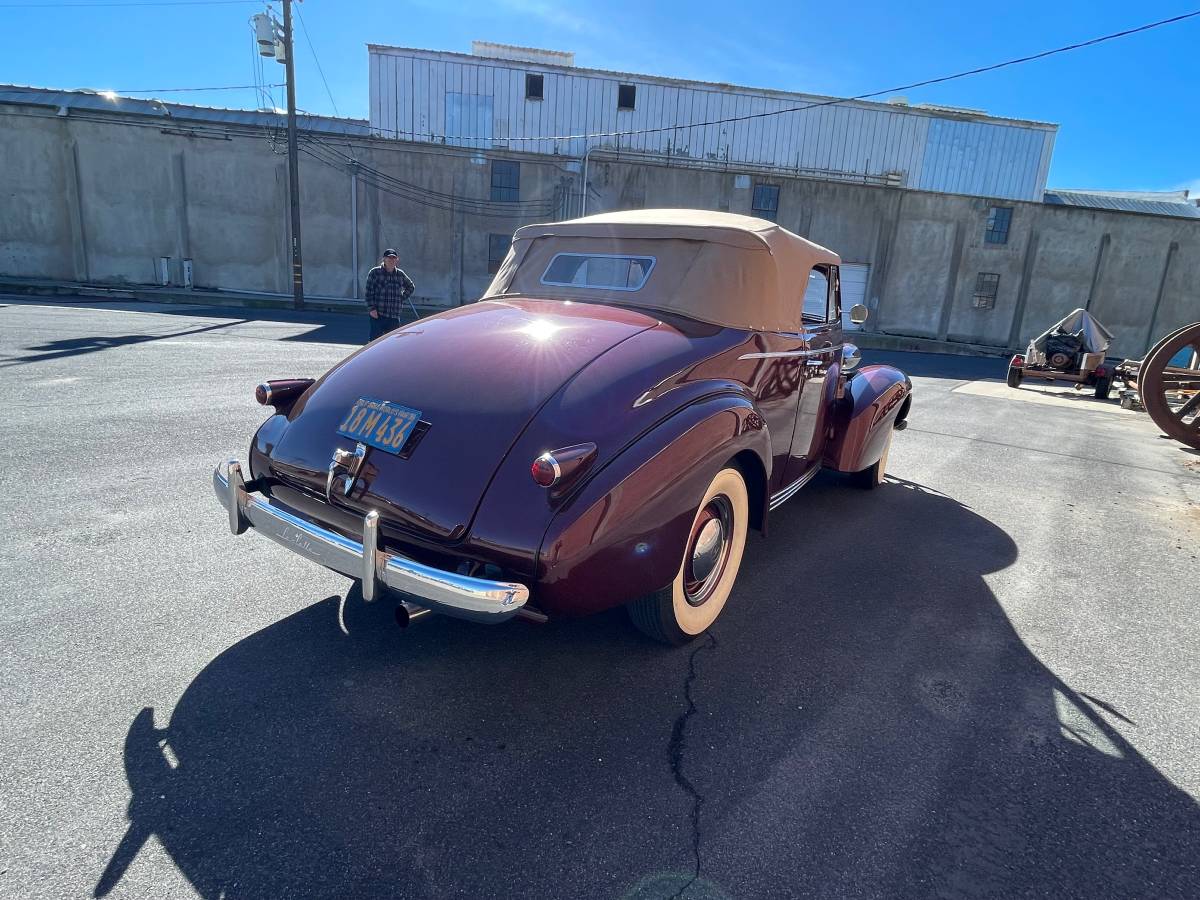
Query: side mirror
x,y
851,357
858,314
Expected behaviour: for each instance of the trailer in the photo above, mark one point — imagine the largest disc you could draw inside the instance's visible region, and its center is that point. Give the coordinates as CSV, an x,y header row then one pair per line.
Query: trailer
x,y
1072,351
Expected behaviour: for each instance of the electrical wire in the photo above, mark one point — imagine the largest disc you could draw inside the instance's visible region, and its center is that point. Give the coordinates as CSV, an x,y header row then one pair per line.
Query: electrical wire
x,y
478,208
421,191
831,102
331,156
256,72
488,212
316,59
184,90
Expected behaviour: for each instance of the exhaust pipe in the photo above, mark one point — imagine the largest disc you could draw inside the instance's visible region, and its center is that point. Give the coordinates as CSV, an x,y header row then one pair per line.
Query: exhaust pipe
x,y
407,613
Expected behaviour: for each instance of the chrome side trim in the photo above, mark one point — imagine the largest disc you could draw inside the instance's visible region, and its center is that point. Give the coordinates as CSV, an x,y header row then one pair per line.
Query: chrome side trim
x,y
785,494
477,599
791,354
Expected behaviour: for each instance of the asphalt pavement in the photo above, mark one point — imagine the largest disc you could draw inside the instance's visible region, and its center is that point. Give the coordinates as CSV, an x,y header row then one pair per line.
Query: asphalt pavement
x,y
979,680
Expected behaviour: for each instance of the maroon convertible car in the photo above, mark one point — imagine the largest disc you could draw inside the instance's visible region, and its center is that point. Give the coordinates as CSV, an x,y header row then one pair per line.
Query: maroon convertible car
x,y
634,392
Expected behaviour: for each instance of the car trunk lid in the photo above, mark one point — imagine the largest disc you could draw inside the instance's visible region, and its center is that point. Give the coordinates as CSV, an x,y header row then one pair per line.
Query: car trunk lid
x,y
477,375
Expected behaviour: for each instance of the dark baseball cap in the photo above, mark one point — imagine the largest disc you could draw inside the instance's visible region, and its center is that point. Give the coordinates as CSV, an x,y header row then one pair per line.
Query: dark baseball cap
x,y
390,252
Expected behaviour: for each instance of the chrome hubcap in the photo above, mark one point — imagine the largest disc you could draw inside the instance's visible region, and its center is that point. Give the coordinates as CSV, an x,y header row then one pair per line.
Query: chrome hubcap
x,y
708,550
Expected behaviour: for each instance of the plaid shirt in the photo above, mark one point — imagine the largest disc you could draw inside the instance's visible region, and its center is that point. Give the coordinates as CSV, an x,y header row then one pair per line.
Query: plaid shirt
x,y
386,291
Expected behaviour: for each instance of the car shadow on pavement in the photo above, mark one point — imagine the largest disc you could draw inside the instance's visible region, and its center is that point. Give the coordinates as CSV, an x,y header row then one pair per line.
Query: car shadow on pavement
x,y
862,721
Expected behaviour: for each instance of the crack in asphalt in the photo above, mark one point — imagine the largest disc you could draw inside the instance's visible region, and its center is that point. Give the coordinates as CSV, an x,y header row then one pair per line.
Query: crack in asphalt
x,y
676,748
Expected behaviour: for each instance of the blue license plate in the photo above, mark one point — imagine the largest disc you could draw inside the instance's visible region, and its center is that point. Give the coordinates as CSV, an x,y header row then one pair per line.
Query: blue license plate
x,y
379,424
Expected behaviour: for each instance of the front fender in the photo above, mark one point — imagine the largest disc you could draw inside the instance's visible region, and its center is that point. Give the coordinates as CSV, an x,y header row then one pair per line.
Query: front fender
x,y
623,535
873,400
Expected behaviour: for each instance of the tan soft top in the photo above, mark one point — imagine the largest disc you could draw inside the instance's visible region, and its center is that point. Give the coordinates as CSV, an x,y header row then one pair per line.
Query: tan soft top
x,y
716,267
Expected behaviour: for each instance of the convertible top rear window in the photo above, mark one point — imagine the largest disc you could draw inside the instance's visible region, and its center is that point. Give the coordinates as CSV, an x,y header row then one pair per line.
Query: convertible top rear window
x,y
606,271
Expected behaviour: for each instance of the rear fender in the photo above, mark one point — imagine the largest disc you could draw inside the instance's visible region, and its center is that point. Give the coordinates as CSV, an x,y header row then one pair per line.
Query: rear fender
x,y
623,535
874,400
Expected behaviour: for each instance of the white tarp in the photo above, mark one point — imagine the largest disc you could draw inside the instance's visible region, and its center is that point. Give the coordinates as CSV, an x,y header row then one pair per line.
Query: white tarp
x,y
1093,337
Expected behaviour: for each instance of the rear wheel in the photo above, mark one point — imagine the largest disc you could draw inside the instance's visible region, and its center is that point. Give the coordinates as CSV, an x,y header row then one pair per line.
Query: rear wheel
x,y
711,559
872,476
1014,376
1103,386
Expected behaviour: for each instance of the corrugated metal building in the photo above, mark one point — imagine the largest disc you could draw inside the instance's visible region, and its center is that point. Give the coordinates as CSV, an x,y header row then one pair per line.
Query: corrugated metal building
x,y
538,101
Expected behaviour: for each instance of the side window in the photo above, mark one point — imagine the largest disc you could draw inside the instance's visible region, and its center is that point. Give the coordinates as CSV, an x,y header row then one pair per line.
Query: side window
x,y
817,296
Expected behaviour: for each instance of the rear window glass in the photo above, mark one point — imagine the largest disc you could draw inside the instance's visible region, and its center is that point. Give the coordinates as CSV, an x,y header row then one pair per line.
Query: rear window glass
x,y
597,270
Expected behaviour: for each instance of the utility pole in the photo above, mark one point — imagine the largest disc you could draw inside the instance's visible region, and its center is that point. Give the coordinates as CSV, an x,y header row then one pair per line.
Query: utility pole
x,y
293,160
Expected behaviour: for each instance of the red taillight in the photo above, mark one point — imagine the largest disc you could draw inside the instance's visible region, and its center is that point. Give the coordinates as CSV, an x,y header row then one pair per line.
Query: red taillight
x,y
281,392
1018,361
557,467
545,470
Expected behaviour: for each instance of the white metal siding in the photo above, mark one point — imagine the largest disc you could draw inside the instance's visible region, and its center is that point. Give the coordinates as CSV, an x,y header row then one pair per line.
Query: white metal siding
x,y
411,91
853,278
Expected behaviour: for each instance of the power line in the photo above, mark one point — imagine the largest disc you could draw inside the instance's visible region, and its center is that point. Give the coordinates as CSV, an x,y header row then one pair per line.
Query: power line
x,y
831,102
321,151
497,212
317,60
475,206
256,72
183,90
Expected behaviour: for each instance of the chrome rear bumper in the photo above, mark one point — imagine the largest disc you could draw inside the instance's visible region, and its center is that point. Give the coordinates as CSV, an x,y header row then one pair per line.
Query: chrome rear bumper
x,y
477,599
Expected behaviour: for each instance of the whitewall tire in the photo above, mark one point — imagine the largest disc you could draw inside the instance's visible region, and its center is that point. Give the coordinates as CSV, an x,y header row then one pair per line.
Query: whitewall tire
x,y
711,560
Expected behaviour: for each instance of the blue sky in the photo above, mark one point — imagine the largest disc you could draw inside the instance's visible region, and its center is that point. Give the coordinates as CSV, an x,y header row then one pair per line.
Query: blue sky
x,y
1127,109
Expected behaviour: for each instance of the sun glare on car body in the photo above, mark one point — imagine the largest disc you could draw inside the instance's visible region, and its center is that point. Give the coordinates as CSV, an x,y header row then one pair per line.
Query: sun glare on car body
x,y
540,329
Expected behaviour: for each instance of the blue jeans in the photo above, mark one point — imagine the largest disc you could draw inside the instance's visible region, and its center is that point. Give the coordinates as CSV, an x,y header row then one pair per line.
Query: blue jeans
x,y
382,326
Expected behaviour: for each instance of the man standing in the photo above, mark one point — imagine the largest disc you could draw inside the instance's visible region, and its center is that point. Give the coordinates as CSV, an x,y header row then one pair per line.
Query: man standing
x,y
387,290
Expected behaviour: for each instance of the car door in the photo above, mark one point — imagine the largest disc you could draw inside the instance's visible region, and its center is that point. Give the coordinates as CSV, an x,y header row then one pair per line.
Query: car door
x,y
776,379
822,331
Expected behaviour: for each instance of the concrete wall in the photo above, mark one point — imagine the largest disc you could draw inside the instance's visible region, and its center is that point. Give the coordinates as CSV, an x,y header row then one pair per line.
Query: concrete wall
x,y
1136,273
97,199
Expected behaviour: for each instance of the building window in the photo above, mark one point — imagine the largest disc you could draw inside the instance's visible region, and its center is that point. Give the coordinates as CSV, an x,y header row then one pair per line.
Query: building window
x,y
987,284
765,204
998,220
506,180
498,245
533,86
626,96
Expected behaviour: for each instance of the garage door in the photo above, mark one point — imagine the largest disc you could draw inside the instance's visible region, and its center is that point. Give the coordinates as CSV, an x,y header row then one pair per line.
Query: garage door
x,y
854,289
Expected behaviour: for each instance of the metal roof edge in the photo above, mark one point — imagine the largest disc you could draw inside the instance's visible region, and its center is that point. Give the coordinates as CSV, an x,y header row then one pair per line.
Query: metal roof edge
x,y
718,85
153,107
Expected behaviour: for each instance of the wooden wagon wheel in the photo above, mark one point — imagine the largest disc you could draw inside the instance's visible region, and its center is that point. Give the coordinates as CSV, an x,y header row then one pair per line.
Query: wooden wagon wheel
x,y
1171,393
